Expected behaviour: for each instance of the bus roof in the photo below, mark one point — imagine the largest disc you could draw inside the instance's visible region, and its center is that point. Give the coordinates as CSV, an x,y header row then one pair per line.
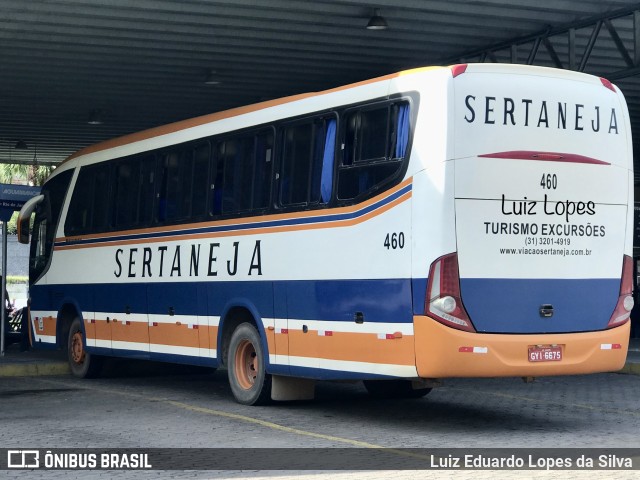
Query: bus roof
x,y
204,119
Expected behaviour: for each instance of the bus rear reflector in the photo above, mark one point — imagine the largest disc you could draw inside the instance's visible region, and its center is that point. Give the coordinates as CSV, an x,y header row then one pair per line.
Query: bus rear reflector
x,y
458,69
444,302
625,301
607,84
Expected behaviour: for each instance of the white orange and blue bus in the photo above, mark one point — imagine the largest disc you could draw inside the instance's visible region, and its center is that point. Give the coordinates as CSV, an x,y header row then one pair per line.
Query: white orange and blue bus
x,y
465,221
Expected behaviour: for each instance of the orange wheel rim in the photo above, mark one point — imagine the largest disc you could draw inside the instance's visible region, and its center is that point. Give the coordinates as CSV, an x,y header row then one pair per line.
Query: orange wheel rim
x,y
77,348
246,364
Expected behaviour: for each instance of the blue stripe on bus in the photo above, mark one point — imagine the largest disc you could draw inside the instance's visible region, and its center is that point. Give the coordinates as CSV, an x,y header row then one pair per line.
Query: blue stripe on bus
x,y
387,300
419,293
40,345
245,226
513,305
325,374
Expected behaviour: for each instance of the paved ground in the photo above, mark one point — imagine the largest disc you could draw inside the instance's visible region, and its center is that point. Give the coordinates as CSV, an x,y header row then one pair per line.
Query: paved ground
x,y
197,410
144,405
159,406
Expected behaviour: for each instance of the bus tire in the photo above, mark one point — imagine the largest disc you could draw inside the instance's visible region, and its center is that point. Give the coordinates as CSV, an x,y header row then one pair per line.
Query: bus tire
x,y
81,362
249,381
394,389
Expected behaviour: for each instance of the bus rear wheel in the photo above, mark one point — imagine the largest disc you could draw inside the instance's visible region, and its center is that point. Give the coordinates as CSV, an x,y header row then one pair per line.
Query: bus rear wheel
x,y
394,389
249,381
81,362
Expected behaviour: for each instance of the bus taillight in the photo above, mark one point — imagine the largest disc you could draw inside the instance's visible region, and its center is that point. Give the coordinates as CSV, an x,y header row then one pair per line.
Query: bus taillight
x,y
444,302
625,301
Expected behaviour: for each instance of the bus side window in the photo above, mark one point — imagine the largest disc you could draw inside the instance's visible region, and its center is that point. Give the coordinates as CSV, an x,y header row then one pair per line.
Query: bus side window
x,y
263,170
127,181
39,252
297,156
174,197
232,176
101,195
242,174
89,206
146,190
233,160
244,166
218,178
373,135
375,143
307,165
79,216
200,180
328,156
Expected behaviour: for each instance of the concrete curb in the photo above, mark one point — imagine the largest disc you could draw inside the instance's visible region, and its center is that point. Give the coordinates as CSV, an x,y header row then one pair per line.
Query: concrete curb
x,y
34,369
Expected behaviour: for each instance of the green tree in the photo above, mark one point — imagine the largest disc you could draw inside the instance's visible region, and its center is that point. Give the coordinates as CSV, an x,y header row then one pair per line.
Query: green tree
x,y
12,225
33,174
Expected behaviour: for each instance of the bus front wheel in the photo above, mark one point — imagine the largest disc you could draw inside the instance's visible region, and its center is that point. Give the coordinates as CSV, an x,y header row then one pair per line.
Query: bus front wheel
x,y
81,362
250,383
394,389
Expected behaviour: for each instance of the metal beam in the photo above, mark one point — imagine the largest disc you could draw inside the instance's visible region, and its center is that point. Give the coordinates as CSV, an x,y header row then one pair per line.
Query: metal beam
x,y
589,49
552,52
636,37
619,44
534,51
623,45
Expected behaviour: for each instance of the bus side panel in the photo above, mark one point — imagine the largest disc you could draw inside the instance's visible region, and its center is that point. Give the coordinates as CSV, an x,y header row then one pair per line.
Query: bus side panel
x,y
326,340
433,212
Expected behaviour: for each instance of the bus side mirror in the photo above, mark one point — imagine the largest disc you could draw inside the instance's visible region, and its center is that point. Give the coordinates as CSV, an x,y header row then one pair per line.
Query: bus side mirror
x,y
24,218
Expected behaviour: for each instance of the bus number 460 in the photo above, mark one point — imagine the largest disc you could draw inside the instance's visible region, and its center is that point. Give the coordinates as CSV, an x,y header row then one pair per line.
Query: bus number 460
x,y
394,241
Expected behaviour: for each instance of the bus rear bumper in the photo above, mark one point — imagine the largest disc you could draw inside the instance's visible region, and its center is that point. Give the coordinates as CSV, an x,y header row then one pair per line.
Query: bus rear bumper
x,y
443,352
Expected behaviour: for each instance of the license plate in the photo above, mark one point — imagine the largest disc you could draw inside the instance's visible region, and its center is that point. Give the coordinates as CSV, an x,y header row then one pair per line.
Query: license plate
x,y
545,353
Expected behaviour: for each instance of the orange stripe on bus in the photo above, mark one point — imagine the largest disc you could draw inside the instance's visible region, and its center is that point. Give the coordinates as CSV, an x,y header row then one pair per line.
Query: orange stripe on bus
x,y
352,347
135,332
340,346
162,334
257,231
49,324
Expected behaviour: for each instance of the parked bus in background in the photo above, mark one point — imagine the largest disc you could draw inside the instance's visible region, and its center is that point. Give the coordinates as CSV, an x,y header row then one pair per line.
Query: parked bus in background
x,y
464,221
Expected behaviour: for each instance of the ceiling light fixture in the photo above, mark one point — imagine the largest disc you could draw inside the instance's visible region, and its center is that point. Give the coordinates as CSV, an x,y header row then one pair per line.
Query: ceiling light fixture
x,y
377,22
95,117
212,78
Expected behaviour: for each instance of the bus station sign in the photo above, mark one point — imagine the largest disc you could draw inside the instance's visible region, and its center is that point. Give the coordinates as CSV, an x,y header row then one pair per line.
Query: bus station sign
x,y
13,197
